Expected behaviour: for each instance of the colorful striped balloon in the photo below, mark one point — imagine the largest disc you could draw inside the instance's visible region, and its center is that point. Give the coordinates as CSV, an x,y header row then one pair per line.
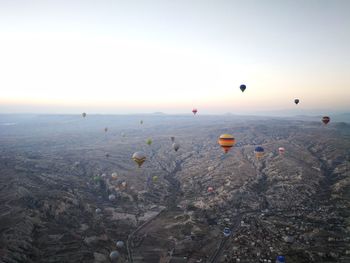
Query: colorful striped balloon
x,y
226,141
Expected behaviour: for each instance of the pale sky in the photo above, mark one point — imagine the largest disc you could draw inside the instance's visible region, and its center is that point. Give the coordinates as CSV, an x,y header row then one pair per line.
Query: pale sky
x,y
170,56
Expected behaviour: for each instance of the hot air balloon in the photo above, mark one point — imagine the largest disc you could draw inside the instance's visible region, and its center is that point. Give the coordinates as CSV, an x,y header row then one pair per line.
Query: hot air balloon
x,y
155,178
280,259
98,211
120,244
114,256
226,141
172,138
325,119
141,121
194,111
111,197
243,87
106,129
139,158
83,114
259,152
149,141
176,146
210,189
124,185
296,101
114,176
281,150
227,232
107,155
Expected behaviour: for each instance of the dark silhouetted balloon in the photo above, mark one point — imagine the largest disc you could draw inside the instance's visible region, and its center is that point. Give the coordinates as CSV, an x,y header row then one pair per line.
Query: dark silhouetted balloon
x,y
176,146
326,119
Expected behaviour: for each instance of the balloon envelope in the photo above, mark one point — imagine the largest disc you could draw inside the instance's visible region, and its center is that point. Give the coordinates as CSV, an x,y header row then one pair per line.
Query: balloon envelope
x,y
111,197
139,158
83,114
296,101
227,232
226,141
120,244
280,259
114,255
281,150
194,111
114,175
149,141
243,87
326,119
176,146
259,152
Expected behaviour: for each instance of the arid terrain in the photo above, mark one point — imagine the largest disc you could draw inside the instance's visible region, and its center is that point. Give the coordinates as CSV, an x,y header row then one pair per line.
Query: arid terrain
x,y
55,173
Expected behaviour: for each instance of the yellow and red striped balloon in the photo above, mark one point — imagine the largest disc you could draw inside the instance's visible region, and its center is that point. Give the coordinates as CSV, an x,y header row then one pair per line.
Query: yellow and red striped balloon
x,y
226,141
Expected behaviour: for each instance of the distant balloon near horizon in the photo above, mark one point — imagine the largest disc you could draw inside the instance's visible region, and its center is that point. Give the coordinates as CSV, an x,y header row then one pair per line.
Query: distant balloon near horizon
x,y
296,101
83,114
149,141
194,111
226,141
243,87
210,189
141,122
172,138
326,119
106,129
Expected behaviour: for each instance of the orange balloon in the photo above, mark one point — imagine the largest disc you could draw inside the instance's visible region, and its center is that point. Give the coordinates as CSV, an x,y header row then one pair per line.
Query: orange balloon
x,y
226,141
